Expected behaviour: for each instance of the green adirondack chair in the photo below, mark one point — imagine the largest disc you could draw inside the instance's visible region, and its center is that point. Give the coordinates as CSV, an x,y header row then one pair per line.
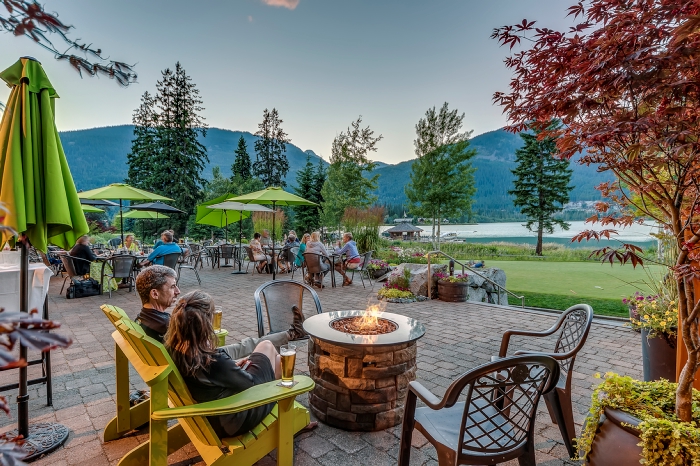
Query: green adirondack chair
x,y
152,362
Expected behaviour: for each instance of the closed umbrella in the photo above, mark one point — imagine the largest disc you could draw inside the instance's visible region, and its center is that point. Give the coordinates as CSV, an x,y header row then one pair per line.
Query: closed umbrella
x,y
242,209
143,215
274,196
38,190
123,192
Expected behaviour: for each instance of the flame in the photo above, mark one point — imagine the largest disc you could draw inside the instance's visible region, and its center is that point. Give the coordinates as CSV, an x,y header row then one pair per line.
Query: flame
x,y
370,319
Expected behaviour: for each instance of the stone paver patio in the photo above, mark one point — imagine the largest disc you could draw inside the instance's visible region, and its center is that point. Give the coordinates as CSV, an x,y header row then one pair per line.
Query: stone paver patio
x,y
458,337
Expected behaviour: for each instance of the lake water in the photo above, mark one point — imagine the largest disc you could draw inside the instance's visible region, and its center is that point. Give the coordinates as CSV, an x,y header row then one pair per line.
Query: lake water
x,y
515,232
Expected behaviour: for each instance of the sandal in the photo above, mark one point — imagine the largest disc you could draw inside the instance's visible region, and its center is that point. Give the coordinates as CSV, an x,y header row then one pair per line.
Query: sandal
x,y
260,268
309,427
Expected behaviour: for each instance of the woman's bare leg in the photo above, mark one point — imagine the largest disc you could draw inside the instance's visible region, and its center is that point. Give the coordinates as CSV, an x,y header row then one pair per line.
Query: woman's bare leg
x,y
268,349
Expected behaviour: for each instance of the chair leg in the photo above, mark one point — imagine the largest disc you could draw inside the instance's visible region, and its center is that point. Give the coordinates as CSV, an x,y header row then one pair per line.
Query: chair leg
x,y
407,429
561,412
64,284
197,274
528,456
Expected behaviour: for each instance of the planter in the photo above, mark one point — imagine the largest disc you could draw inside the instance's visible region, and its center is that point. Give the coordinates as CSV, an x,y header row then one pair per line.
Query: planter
x,y
456,292
658,357
634,315
616,440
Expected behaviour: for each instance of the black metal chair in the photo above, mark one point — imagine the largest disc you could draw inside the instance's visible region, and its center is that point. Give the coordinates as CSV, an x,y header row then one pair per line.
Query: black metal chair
x,y
171,260
278,297
496,421
69,269
226,253
212,255
317,266
251,260
122,267
114,242
184,262
573,326
362,269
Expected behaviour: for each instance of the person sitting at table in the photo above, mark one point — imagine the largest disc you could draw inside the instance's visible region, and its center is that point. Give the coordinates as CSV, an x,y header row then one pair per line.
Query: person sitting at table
x,y
258,253
210,373
129,244
265,240
290,242
302,249
167,247
160,241
353,259
84,253
315,246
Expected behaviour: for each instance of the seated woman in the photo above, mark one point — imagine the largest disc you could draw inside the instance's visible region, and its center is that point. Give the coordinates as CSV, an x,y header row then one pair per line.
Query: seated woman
x,y
258,253
210,373
353,259
129,244
299,259
85,264
316,246
290,242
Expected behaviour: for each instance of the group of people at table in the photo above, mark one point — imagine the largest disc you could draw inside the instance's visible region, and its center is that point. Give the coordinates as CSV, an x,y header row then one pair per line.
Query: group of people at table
x,y
309,243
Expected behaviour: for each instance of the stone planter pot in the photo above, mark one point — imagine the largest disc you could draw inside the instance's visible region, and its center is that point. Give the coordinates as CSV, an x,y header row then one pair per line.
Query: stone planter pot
x,y
452,292
616,440
658,357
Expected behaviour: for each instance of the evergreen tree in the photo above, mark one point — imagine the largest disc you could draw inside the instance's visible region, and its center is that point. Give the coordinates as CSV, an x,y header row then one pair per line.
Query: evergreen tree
x,y
541,184
308,218
442,178
349,181
271,164
241,166
168,158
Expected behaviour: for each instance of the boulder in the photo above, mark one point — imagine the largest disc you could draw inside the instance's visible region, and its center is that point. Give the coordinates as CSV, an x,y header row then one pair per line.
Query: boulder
x,y
419,277
482,288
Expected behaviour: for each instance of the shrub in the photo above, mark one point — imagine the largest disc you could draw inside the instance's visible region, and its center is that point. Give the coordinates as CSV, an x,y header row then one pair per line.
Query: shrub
x,y
393,293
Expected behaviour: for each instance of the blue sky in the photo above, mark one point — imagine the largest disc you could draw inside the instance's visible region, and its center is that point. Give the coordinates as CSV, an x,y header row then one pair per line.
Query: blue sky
x,y
321,63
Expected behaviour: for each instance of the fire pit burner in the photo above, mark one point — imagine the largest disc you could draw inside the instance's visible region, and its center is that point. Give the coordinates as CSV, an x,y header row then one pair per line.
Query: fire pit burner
x,y
357,326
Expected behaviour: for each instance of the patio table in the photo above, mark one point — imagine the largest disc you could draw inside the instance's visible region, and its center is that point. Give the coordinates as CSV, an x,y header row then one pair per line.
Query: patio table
x,y
39,277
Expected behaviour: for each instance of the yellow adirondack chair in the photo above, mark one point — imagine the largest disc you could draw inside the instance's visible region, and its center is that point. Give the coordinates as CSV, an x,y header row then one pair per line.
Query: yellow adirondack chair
x,y
152,362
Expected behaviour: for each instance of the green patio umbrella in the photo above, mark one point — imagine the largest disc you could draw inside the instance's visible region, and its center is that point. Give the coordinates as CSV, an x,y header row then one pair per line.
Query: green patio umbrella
x,y
123,192
216,217
274,196
143,215
37,188
88,209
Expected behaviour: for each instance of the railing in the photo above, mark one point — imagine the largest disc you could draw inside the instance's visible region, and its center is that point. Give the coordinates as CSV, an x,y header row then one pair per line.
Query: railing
x,y
498,287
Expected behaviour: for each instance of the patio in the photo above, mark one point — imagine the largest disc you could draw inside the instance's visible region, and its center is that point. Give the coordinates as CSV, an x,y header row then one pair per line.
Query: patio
x,y
459,336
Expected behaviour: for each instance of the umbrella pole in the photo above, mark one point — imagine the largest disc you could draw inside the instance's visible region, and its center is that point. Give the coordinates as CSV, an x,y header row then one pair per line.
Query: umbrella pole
x,y
22,397
121,216
226,229
240,245
274,216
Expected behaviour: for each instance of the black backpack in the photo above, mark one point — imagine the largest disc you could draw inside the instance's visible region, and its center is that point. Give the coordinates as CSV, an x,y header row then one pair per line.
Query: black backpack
x,y
83,288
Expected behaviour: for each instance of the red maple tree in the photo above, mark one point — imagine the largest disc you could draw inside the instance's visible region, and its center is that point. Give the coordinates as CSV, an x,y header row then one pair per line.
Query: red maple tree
x,y
625,83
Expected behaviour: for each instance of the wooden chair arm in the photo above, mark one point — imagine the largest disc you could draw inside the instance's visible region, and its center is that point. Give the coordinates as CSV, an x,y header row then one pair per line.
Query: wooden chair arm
x,y
258,395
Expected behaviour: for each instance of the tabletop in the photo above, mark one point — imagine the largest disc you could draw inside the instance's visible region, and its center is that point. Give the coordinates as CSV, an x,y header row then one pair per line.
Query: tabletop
x,y
39,276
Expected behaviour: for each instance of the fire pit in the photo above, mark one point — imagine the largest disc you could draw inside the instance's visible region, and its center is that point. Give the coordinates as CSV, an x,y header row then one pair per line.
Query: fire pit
x,y
361,362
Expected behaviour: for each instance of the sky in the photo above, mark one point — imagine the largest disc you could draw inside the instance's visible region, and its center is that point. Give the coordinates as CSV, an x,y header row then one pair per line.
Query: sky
x,y
320,63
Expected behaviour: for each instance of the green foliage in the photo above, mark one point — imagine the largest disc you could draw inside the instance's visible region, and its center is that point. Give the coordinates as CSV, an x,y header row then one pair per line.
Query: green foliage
x,y
544,300
271,164
442,178
350,181
364,226
656,315
393,293
166,155
241,165
541,185
665,440
309,183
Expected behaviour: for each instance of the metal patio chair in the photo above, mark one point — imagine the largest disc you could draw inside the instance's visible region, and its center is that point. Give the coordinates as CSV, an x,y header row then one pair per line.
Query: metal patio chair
x,y
278,297
184,262
362,269
122,267
314,266
573,326
493,424
251,260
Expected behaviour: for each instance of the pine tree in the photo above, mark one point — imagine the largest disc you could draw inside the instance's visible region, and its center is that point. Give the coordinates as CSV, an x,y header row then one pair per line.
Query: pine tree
x,y
241,166
442,178
349,181
308,218
541,184
271,164
168,158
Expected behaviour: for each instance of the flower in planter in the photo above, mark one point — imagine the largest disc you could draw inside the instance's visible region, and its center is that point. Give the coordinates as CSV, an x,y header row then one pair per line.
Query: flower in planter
x,y
461,278
656,316
377,264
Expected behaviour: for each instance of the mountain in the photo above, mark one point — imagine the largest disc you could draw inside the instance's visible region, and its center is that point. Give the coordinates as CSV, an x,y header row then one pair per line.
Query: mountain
x,y
97,157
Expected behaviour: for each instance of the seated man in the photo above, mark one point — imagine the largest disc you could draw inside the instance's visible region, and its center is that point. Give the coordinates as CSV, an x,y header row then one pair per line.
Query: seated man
x,y
157,288
167,247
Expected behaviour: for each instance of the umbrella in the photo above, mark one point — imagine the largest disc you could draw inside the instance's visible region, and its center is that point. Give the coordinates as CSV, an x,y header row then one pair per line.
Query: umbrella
x,y
88,209
156,207
37,188
240,208
213,217
123,192
144,214
275,196
98,202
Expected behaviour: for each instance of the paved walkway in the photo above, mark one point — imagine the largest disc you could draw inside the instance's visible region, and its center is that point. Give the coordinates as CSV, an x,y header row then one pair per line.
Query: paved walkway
x,y
458,338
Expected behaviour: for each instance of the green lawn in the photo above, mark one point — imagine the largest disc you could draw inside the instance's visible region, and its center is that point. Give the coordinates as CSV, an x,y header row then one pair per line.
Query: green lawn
x,y
558,285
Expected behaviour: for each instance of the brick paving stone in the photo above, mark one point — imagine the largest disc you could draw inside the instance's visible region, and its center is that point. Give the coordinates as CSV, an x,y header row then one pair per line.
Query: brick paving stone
x,y
459,336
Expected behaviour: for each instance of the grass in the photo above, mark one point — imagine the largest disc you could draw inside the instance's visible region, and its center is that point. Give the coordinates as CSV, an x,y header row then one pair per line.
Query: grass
x,y
603,307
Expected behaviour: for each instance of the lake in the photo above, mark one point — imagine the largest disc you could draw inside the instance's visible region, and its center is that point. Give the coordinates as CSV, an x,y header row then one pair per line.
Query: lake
x,y
515,232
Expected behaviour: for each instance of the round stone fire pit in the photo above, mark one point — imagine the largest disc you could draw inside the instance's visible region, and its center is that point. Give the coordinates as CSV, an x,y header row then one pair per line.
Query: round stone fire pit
x,y
361,380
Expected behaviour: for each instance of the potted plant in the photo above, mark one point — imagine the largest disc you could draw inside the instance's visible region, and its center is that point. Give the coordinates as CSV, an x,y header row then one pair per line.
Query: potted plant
x,y
658,324
452,288
378,268
396,289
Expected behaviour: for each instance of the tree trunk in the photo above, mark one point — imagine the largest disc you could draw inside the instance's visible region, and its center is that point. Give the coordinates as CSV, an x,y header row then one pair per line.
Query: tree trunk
x,y
538,248
438,233
434,239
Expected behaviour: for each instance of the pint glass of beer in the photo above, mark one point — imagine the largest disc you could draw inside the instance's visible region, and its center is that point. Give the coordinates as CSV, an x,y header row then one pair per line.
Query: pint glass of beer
x,y
217,318
288,355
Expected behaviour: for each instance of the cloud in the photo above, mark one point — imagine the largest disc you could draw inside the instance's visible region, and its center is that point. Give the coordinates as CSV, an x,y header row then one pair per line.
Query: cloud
x,y
290,4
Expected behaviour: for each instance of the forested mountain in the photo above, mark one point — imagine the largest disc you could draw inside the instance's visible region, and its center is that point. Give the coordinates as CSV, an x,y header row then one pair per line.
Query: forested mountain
x,y
97,157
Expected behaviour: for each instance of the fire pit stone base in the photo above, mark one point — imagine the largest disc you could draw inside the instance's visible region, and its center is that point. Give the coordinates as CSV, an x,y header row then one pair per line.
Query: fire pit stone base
x,y
360,388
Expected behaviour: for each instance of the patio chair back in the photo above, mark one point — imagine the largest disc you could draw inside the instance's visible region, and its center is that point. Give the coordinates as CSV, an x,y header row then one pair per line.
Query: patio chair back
x,y
68,265
227,251
114,242
171,260
292,254
314,262
278,297
494,423
122,266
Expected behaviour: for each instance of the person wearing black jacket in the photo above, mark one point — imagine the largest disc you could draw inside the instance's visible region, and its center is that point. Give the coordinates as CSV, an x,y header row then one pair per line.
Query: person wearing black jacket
x,y
82,250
